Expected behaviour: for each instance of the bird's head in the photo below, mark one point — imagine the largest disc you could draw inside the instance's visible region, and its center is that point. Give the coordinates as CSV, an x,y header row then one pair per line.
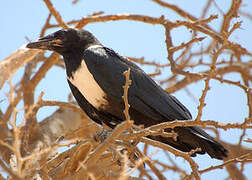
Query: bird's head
x,y
65,40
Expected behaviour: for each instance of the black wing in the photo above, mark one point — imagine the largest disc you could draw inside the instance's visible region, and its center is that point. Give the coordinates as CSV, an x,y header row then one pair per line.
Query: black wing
x,y
144,94
148,98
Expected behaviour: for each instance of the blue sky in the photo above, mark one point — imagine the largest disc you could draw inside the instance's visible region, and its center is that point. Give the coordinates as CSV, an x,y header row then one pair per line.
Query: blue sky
x,y
224,103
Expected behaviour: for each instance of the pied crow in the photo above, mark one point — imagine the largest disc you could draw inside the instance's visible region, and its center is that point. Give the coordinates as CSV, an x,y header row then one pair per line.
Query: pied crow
x,y
95,76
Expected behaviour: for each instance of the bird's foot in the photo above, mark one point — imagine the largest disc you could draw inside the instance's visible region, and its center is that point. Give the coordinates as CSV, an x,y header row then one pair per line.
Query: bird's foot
x,y
120,153
101,135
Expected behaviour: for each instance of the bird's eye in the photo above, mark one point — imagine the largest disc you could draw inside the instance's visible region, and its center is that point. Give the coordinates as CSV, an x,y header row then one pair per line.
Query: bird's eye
x,y
58,34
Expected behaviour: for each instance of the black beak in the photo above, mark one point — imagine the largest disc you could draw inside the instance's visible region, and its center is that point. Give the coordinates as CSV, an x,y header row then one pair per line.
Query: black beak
x,y
46,43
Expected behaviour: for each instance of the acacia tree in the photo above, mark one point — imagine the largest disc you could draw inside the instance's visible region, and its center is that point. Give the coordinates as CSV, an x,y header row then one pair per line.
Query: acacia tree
x,y
30,149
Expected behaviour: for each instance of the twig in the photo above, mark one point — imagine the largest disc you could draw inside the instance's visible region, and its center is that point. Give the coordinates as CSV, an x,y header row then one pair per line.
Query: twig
x,y
143,62
16,60
233,12
205,90
125,94
218,71
150,163
183,45
67,105
188,123
186,156
55,13
13,174
238,159
42,33
33,82
142,18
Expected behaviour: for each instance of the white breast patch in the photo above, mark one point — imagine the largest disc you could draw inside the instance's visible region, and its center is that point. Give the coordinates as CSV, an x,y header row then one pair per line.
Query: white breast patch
x,y
86,84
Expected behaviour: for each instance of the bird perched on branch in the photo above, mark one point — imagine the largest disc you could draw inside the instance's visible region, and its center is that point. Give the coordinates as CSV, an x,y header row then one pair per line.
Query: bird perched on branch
x,y
95,76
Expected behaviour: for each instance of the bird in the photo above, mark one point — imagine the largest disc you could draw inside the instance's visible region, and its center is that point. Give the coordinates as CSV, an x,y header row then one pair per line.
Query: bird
x,y
95,75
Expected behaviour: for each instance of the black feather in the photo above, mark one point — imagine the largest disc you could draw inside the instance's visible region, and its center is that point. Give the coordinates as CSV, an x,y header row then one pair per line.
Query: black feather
x,y
150,104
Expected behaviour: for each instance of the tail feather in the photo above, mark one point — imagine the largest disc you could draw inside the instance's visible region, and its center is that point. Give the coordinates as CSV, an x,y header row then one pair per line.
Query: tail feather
x,y
190,138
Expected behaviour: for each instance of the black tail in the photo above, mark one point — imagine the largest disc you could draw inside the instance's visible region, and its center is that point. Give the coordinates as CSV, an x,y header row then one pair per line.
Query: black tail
x,y
190,138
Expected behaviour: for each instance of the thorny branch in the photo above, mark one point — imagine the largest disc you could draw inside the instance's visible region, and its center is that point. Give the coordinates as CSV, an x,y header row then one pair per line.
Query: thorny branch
x,y
125,94
30,148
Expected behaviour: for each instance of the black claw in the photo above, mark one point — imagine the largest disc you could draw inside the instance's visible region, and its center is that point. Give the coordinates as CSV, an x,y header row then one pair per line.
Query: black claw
x,y
101,136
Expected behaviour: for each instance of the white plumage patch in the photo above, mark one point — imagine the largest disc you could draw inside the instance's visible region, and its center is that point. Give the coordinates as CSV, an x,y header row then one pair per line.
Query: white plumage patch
x,y
86,84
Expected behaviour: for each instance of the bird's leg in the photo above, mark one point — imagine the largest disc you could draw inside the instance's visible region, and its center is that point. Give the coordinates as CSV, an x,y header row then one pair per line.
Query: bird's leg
x,y
101,135
119,149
